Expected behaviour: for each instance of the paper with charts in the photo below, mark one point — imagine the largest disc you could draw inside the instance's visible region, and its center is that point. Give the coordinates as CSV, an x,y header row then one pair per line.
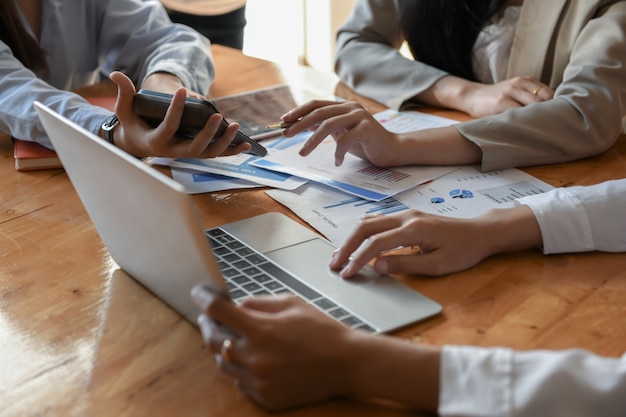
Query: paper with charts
x,y
464,193
355,176
242,173
236,166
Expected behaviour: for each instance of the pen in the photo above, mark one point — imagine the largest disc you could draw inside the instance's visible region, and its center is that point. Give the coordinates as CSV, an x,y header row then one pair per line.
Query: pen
x,y
279,125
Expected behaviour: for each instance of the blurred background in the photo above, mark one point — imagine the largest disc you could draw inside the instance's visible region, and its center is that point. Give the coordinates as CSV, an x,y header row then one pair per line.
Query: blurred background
x,y
295,31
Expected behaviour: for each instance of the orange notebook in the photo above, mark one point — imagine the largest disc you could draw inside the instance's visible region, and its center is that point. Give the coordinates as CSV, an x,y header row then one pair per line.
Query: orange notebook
x,y
31,156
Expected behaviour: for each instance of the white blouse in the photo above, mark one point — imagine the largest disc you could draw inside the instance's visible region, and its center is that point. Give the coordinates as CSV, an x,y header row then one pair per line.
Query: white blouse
x,y
478,381
493,47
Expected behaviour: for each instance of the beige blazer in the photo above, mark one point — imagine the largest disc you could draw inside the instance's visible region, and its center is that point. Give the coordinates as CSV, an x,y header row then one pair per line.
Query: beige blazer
x,y
577,47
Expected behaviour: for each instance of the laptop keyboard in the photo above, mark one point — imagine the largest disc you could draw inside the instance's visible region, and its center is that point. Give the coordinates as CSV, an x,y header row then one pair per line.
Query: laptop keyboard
x,y
250,273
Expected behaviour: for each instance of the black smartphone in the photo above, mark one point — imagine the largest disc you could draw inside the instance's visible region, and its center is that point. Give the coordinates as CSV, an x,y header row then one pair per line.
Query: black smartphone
x,y
152,105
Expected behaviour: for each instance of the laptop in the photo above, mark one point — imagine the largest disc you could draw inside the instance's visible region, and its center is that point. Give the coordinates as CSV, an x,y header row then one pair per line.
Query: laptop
x,y
152,231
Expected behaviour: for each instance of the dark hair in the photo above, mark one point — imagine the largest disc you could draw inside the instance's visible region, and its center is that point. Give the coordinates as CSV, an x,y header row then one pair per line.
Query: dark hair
x,y
442,33
22,44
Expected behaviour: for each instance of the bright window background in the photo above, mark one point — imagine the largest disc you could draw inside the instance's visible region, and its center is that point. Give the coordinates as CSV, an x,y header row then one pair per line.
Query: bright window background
x,y
295,31
274,30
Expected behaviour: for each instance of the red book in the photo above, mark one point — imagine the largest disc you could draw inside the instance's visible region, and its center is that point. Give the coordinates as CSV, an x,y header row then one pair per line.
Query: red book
x,y
31,156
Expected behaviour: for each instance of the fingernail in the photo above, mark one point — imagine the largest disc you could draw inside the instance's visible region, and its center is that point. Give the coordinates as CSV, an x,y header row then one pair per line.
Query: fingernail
x,y
347,270
335,255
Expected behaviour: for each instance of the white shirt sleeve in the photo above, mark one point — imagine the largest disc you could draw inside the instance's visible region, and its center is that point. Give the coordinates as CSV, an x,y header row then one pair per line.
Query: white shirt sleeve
x,y
582,219
501,382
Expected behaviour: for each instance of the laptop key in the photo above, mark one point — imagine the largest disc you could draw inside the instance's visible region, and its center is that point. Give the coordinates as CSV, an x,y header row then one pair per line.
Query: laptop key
x,y
325,304
273,285
338,313
251,271
231,257
351,321
256,259
237,294
252,287
229,273
366,328
241,264
241,279
290,281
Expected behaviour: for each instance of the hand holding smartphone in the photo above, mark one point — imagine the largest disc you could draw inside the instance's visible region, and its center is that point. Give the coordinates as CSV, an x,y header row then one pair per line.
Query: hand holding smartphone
x,y
152,106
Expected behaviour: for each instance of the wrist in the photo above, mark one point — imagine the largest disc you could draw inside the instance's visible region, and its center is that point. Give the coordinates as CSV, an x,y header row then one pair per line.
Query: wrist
x,y
436,146
450,92
108,128
388,368
509,230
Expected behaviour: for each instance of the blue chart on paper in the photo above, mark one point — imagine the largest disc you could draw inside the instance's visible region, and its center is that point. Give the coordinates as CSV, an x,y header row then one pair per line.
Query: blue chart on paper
x,y
387,206
460,193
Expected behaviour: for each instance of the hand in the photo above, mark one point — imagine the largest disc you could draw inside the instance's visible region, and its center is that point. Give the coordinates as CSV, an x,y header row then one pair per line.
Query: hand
x,y
284,353
479,100
136,137
445,244
354,129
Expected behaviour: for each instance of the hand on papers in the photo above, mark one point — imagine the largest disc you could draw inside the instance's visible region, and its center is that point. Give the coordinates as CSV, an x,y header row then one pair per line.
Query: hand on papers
x,y
136,137
354,129
442,244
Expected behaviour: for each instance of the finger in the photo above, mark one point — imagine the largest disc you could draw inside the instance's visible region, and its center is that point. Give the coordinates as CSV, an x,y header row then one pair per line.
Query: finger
x,y
233,367
371,248
273,304
434,263
367,226
235,150
328,125
125,95
174,114
355,134
207,329
205,144
322,114
222,310
545,93
304,109
311,143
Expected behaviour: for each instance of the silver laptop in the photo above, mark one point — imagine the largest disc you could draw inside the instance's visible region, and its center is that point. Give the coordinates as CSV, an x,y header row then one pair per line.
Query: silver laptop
x,y
152,231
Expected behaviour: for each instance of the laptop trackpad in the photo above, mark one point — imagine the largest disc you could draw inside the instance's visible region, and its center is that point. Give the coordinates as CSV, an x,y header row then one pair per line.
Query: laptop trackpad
x,y
376,298
270,231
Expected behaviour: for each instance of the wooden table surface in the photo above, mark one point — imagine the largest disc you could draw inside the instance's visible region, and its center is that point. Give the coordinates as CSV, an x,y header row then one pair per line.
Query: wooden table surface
x,y
78,337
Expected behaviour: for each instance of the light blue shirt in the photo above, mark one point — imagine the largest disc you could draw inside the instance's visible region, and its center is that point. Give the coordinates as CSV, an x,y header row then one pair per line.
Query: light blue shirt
x,y
87,39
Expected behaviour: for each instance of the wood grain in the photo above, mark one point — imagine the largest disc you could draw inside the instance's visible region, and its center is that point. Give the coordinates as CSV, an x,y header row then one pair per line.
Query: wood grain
x,y
78,337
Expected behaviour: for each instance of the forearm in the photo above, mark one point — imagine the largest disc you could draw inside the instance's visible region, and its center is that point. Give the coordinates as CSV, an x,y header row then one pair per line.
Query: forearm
x,y
392,369
447,92
439,146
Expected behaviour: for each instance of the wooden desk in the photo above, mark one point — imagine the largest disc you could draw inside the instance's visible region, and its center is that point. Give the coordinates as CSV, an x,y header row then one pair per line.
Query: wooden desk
x,y
78,337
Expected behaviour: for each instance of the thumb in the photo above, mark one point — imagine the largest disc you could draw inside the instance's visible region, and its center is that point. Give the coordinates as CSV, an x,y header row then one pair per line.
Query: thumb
x,y
125,93
433,263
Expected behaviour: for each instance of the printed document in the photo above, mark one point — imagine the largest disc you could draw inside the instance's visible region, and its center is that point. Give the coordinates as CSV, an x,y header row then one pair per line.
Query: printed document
x,y
464,193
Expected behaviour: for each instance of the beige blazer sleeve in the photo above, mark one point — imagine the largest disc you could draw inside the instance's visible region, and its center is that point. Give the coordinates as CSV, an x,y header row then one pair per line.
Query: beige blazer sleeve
x,y
577,47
